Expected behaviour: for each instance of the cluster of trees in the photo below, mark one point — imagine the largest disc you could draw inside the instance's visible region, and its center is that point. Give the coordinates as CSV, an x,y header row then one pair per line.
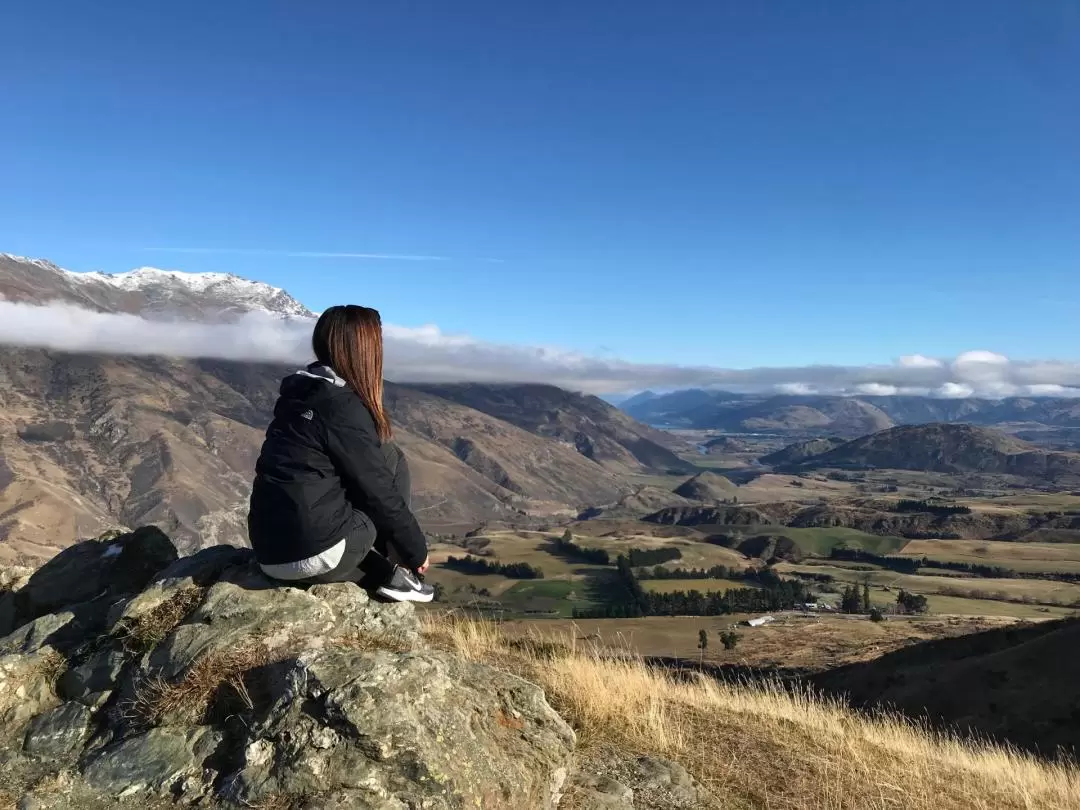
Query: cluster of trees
x,y
652,556
637,595
911,602
565,545
904,565
765,577
911,565
478,565
1000,572
939,509
716,572
855,600
775,594
824,579
786,596
729,638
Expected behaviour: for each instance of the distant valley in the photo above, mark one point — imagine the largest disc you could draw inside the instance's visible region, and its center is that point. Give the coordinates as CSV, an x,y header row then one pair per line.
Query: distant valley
x,y
1050,420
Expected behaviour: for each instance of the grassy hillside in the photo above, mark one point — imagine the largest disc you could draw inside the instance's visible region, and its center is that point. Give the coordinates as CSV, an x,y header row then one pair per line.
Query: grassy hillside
x,y
791,644
1028,557
952,448
570,584
1015,683
761,747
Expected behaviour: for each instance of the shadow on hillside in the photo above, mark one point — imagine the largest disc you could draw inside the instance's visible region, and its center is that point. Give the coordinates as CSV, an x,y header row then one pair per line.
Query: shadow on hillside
x,y
1014,685
605,587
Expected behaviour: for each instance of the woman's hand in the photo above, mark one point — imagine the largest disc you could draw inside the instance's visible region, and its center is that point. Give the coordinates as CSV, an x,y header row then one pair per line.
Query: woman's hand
x,y
423,568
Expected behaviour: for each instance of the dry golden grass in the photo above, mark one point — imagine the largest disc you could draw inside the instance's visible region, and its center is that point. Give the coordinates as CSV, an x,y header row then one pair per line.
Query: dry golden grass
x,y
276,801
51,666
765,747
150,629
811,643
158,700
369,642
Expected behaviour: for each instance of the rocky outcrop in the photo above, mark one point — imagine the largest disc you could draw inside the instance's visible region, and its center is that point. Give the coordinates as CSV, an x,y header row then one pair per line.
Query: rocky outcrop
x,y
757,515
147,679
640,783
91,572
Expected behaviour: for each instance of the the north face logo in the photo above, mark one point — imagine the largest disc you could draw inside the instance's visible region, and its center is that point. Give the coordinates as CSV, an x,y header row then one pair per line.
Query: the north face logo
x,y
309,415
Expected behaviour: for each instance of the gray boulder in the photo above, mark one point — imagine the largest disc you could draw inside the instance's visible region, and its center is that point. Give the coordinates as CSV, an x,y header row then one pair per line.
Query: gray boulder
x,y
597,792
160,761
58,732
30,666
669,779
400,729
614,782
94,570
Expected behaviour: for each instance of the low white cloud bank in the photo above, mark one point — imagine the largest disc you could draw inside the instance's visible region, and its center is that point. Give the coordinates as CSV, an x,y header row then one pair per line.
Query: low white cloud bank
x,y
426,354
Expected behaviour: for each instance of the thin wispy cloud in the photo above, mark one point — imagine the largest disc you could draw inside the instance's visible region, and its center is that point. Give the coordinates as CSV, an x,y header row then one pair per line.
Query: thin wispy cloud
x,y
318,254
427,354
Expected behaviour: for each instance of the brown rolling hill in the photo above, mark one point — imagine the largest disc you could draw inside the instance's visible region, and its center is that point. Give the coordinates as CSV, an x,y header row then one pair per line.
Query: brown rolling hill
x,y
952,448
707,486
597,430
850,417
1033,527
88,442
1015,684
800,451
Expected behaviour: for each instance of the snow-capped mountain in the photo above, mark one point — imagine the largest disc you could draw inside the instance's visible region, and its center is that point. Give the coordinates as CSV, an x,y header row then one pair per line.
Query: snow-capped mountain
x,y
146,291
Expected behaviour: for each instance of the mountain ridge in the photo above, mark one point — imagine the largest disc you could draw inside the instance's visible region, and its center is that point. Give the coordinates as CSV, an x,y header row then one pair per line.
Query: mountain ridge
x,y
820,415
950,448
144,290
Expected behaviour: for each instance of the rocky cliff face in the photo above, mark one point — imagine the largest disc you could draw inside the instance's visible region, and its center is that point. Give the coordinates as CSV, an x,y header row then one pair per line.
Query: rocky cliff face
x,y
130,676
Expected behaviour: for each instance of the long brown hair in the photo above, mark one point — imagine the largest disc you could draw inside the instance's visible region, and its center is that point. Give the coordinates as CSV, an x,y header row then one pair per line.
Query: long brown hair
x,y
349,340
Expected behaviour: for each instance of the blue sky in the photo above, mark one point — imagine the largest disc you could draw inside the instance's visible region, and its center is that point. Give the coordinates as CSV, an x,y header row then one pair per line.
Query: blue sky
x,y
726,183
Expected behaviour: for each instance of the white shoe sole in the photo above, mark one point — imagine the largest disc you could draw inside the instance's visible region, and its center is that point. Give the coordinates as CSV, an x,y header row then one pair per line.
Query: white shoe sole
x,y
405,596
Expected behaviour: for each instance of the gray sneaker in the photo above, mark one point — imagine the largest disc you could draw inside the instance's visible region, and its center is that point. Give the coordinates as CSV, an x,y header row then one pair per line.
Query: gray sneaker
x,y
405,586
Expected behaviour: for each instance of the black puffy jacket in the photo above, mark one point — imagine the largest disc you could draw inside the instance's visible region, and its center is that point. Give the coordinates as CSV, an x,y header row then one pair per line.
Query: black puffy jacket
x,y
321,460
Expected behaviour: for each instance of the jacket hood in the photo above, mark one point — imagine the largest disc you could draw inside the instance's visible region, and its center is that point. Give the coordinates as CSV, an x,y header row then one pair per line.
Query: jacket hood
x,y
314,378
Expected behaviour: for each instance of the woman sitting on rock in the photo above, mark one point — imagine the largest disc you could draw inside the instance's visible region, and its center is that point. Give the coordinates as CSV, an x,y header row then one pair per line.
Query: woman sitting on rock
x,y
331,497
